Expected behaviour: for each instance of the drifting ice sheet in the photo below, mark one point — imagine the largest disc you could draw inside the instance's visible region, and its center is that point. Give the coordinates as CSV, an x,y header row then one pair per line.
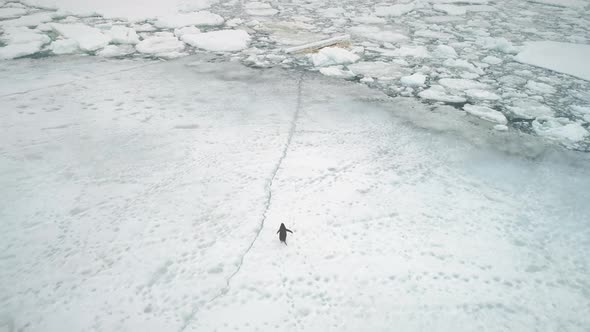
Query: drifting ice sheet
x,y
88,38
203,18
330,56
567,58
221,41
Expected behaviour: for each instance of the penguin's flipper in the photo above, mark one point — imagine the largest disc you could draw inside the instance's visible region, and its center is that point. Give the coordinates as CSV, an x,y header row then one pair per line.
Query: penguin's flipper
x,y
278,231
289,231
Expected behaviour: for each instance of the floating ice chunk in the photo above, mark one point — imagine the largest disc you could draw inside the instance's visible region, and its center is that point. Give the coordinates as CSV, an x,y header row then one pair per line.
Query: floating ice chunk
x,y
571,59
21,35
202,18
44,27
337,71
443,19
313,46
179,32
378,69
123,35
480,8
469,76
500,127
583,111
21,42
482,94
492,60
562,130
512,80
486,113
64,46
116,50
444,51
160,44
432,34
450,9
394,10
6,13
462,64
529,109
499,44
88,38
439,93
222,40
413,51
368,20
462,84
562,3
540,87
330,56
413,80
260,9
19,50
28,21
480,2
146,27
374,33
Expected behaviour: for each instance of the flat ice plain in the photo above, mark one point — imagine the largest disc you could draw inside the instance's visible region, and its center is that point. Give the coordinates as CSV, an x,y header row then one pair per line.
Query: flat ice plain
x,y
136,196
434,168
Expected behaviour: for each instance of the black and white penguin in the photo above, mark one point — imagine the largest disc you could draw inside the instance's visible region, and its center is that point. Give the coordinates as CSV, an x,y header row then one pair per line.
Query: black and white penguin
x,y
283,233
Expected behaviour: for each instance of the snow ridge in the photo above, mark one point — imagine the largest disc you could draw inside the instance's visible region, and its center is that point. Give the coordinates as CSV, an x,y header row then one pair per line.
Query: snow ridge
x,y
292,129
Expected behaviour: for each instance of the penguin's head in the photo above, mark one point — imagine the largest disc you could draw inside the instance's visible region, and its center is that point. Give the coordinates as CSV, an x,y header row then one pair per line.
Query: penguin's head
x,y
282,225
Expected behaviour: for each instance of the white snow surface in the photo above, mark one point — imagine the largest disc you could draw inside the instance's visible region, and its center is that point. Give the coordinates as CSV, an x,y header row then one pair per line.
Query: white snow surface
x,y
461,84
450,9
6,13
413,80
221,40
19,50
160,44
260,9
445,51
439,93
560,129
31,20
330,56
64,46
567,58
131,10
88,38
201,18
486,113
117,50
136,196
123,35
395,10
530,109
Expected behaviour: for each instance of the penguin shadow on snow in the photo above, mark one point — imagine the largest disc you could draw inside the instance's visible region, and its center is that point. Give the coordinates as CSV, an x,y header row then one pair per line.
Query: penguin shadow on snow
x,y
283,233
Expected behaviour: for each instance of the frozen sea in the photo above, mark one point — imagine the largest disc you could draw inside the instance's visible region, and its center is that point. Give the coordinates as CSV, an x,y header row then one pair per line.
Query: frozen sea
x,y
434,168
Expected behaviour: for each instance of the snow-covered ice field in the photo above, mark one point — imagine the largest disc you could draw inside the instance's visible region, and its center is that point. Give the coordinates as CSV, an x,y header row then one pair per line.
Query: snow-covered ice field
x,y
145,199
433,165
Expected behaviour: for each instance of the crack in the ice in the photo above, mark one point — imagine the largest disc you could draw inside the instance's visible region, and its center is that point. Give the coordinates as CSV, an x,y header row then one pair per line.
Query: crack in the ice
x,y
292,129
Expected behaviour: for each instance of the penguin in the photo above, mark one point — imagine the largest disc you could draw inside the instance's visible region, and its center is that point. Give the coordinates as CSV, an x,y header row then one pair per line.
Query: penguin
x,y
283,233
